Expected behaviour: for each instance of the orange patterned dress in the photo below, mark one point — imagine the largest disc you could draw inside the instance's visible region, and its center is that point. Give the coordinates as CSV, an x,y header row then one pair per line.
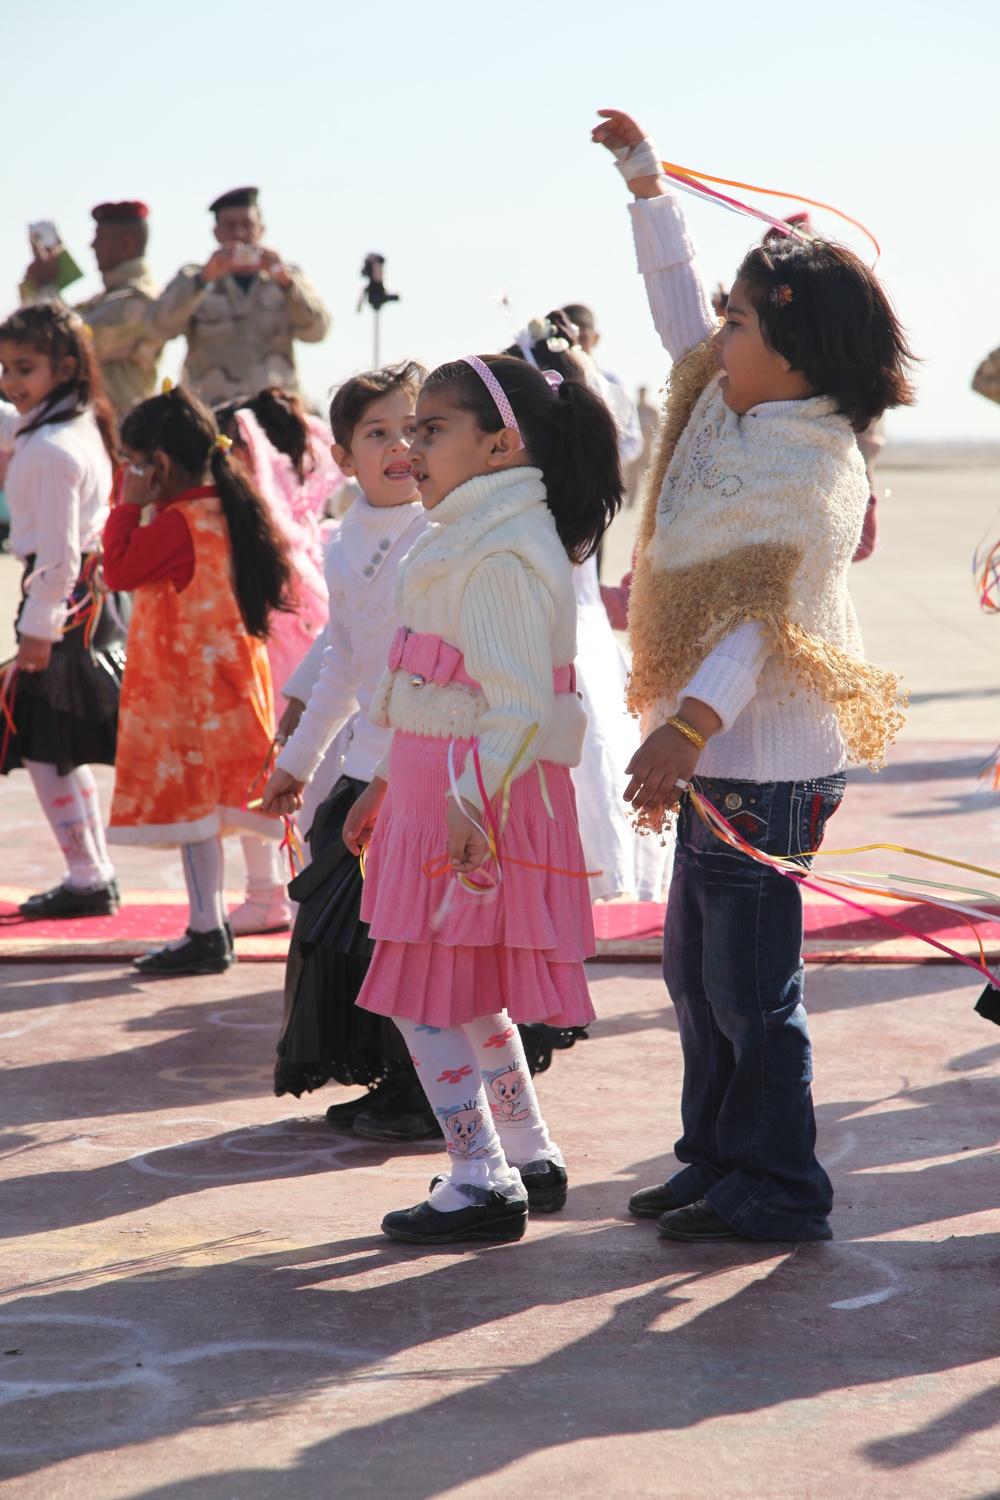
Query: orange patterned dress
x,y
197,715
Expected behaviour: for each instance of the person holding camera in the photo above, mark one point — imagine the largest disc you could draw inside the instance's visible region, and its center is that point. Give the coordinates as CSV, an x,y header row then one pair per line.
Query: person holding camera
x,y
241,311
126,349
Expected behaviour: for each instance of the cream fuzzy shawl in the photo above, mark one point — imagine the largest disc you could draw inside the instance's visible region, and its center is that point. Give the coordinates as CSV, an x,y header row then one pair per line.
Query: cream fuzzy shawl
x,y
755,517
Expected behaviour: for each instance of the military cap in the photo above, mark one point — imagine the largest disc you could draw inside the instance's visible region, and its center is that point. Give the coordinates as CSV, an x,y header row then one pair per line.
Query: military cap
x,y
245,197
120,213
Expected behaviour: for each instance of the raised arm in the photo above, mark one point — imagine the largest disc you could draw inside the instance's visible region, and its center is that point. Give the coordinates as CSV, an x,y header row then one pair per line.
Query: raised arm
x,y
665,254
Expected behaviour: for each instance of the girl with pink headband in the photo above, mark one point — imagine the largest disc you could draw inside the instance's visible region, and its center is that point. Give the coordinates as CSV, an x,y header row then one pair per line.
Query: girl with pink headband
x,y
475,884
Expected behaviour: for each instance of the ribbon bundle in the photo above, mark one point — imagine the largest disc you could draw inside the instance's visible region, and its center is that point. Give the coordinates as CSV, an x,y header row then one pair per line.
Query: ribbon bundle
x,y
696,183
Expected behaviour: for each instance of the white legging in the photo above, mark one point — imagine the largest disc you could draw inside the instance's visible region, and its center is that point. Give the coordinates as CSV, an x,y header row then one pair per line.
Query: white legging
x,y
204,874
264,862
478,1083
73,808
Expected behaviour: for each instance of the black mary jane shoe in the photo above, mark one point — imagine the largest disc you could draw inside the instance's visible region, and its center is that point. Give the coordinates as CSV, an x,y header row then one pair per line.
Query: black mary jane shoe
x,y
401,1115
545,1183
202,953
497,1221
697,1223
63,901
652,1202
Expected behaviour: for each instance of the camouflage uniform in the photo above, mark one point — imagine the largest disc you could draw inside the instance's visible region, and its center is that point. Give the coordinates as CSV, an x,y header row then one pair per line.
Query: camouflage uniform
x,y
239,341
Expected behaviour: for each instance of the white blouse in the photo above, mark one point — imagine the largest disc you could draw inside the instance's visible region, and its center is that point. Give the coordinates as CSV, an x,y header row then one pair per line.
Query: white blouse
x,y
58,490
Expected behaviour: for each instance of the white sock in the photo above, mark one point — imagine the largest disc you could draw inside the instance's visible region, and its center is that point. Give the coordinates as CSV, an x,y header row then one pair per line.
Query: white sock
x,y
265,864
73,808
204,873
506,1077
449,1073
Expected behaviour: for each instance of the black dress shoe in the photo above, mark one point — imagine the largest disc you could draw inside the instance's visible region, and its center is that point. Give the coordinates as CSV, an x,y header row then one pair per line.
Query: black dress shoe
x,y
497,1221
379,1125
651,1202
202,953
697,1222
64,901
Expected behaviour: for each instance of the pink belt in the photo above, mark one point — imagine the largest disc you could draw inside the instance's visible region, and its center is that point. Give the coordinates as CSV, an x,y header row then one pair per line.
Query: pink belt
x,y
428,658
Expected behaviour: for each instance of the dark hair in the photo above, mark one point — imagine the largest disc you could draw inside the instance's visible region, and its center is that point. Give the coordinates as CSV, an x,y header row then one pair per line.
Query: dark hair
x,y
282,417
564,361
182,427
568,432
823,310
580,314
58,333
355,396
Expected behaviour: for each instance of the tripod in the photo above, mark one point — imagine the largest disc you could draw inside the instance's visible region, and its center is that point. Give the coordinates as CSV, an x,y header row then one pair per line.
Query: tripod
x,y
375,294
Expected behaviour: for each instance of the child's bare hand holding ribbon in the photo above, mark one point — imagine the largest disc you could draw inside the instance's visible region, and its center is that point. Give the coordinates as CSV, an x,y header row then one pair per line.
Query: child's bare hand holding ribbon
x,y
282,795
467,845
662,767
359,825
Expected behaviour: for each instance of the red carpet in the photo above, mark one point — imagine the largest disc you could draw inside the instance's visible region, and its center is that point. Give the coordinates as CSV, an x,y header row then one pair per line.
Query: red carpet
x,y
625,931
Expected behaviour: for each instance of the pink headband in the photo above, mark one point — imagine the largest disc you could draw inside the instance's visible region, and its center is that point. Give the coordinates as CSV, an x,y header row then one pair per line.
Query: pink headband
x,y
497,391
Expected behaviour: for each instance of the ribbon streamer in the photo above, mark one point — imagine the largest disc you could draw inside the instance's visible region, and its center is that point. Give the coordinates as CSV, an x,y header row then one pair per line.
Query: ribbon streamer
x,y
694,182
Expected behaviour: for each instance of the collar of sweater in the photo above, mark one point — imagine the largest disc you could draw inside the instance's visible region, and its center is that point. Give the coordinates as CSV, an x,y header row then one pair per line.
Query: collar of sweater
x,y
808,410
369,532
521,486
66,404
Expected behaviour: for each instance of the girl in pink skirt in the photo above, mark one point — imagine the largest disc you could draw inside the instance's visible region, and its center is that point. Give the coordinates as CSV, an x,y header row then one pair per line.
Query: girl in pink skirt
x,y
476,887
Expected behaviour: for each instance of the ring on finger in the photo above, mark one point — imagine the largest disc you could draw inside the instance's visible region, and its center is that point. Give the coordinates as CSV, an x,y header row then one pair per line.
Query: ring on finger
x,y
682,785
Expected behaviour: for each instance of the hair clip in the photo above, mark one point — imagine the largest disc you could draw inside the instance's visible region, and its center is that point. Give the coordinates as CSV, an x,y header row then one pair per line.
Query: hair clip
x,y
167,386
221,444
781,296
554,379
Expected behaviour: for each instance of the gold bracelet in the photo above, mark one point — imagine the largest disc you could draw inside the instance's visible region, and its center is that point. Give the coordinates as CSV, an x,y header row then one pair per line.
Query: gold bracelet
x,y
688,731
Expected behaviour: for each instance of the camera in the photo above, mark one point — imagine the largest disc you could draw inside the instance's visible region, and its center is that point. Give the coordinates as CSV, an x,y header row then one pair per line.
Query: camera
x,y
246,258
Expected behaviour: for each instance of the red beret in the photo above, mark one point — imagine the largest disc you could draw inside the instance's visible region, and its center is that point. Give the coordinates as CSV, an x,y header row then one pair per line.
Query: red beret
x,y
120,213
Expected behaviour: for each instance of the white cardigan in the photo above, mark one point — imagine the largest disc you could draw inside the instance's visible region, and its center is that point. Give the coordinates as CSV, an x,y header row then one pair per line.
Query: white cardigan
x,y
58,490
361,564
768,734
491,577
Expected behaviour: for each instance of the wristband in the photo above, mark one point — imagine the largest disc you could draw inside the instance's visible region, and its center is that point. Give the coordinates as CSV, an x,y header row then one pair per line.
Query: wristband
x,y
688,731
642,160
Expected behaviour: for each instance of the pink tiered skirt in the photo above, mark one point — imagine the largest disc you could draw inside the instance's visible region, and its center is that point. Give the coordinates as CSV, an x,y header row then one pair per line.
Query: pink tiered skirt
x,y
444,955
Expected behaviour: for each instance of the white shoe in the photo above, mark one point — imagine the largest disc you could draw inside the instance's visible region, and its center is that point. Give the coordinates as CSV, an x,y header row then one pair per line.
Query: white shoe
x,y
262,911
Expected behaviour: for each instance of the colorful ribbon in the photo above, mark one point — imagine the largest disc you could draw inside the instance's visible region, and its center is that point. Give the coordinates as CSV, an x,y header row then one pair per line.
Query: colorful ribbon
x,y
8,694
690,181
789,867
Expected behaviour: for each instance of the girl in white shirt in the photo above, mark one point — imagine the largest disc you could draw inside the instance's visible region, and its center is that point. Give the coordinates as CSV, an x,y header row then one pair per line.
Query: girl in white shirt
x,y
62,687
520,477
324,1035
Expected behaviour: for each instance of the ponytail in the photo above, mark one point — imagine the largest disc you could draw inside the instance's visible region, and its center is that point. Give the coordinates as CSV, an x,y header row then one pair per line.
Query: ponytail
x,y
262,575
569,434
179,425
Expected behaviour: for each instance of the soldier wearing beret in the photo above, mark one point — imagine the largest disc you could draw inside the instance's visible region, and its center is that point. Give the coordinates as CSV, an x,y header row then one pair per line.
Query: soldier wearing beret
x,y
127,349
242,310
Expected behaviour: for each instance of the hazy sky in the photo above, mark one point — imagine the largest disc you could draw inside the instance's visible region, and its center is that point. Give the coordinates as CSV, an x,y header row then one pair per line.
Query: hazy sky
x,y
454,138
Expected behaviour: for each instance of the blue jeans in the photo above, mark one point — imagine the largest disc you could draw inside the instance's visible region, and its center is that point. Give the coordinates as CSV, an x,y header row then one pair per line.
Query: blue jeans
x,y
732,961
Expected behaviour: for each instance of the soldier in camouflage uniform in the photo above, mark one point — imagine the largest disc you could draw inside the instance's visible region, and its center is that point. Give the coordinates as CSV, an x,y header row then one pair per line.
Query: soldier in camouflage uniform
x,y
127,349
241,310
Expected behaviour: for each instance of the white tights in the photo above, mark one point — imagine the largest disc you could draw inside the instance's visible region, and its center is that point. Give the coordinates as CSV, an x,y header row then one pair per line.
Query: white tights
x,y
264,862
72,806
478,1083
204,874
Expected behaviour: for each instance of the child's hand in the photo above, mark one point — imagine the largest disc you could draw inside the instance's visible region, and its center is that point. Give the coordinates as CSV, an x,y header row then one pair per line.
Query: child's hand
x,y
139,485
282,795
617,130
467,848
33,655
289,721
359,825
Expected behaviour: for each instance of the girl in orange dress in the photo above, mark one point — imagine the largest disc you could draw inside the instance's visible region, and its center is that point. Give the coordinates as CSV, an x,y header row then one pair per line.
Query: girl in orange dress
x,y
197,716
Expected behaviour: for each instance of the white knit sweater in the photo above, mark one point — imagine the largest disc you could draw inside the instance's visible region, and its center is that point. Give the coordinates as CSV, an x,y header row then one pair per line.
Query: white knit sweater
x,y
361,565
491,577
769,733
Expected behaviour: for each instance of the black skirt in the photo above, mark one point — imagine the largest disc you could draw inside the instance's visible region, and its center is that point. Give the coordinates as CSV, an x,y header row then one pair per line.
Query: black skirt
x,y
325,1035
67,716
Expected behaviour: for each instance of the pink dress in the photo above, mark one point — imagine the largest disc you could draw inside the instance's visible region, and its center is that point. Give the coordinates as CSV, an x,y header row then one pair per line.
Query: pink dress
x,y
444,955
293,509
